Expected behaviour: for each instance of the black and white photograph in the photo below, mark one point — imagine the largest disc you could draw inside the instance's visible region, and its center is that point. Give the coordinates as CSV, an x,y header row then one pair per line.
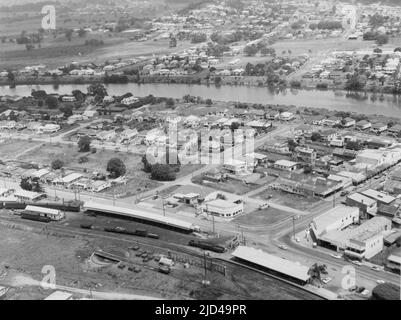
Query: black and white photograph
x,y
199,156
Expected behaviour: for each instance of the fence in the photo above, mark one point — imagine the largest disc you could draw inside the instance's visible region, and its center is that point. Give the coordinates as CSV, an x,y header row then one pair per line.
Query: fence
x,y
200,263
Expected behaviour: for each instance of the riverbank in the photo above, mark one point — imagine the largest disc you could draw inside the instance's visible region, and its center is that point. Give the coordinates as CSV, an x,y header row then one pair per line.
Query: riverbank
x,y
362,103
200,79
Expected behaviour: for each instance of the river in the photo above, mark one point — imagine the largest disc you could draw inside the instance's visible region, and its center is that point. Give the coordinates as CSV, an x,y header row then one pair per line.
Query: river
x,y
388,105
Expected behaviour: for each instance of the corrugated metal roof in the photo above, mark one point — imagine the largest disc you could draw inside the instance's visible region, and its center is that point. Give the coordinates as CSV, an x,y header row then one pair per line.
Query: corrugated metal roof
x,y
269,261
138,214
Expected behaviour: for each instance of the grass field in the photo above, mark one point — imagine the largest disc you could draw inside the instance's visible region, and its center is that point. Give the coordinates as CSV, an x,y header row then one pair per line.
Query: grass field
x,y
262,218
9,149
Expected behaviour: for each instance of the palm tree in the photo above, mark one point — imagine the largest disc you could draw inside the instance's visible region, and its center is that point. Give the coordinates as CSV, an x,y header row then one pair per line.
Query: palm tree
x,y
316,271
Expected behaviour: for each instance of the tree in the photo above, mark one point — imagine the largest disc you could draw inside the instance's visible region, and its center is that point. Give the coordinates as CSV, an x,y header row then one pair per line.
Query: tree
x,y
10,75
292,145
81,33
353,145
51,102
68,34
116,168
307,169
234,126
67,110
98,90
31,184
251,50
163,172
382,39
84,144
316,271
316,136
170,102
57,164
147,167
209,102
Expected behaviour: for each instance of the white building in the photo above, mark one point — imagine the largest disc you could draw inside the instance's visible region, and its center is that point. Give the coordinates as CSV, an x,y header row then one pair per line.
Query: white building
x,y
285,165
335,219
223,205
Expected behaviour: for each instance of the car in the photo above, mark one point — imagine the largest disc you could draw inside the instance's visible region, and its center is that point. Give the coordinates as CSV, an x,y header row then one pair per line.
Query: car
x,y
297,239
380,281
336,255
365,292
326,280
356,262
376,268
283,246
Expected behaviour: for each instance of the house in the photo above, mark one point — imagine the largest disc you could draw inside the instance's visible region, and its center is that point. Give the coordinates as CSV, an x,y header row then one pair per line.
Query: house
x,y
332,121
379,127
394,262
363,125
68,99
129,100
285,165
328,135
106,135
24,195
287,116
128,135
395,130
236,166
49,128
348,122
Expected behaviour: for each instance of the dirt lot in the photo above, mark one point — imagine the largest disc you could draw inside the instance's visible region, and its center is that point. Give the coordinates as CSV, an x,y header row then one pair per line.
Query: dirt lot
x,y
287,199
80,273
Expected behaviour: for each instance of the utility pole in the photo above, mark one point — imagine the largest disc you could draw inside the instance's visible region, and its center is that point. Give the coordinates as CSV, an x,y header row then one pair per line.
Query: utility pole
x,y
114,197
214,231
334,200
293,227
164,209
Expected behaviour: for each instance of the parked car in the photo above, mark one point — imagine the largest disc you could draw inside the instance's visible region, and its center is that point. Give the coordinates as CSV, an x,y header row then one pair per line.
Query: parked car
x,y
376,268
336,255
283,246
356,262
326,280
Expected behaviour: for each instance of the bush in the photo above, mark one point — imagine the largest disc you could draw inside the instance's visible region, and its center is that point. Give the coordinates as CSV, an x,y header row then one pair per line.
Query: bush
x,y
83,159
163,172
93,150
116,167
57,164
84,144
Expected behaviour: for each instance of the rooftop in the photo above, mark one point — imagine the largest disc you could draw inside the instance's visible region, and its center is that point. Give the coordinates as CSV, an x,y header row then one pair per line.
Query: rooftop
x,y
361,199
379,196
272,262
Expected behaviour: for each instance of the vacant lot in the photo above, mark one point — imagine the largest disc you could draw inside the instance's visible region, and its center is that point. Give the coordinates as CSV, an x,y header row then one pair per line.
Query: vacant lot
x,y
262,218
287,199
10,149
